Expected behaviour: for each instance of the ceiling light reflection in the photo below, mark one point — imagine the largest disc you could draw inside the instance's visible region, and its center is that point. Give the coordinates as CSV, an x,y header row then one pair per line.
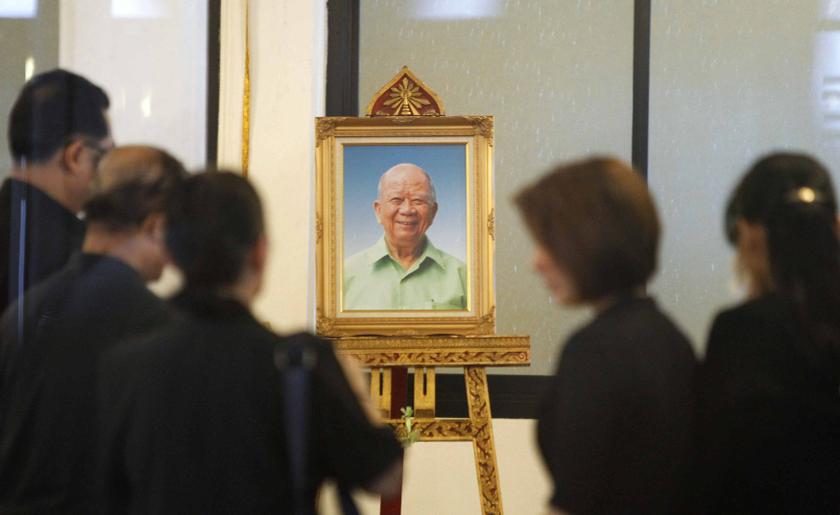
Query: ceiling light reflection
x,y
28,68
145,9
830,10
18,8
146,105
456,10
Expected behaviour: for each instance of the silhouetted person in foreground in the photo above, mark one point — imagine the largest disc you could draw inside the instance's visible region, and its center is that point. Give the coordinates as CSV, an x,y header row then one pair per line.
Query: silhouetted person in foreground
x,y
195,417
615,426
58,130
51,339
770,383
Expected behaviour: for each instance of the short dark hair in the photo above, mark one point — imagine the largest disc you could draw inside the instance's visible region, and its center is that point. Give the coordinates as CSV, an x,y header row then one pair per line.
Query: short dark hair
x,y
213,222
127,203
597,219
51,108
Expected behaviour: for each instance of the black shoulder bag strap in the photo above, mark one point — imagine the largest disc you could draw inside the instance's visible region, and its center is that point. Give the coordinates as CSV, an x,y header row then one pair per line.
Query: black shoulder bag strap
x,y
297,362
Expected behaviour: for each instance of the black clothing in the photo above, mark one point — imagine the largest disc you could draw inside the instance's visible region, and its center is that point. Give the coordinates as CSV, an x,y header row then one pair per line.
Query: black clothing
x,y
769,415
48,432
615,425
50,232
194,420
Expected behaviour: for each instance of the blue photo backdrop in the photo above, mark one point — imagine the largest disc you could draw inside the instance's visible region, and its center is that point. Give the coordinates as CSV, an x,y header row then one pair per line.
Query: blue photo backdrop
x,y
445,164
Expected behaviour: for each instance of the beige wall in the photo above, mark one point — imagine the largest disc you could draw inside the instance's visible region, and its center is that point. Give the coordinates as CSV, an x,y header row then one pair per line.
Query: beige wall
x,y
288,45
440,476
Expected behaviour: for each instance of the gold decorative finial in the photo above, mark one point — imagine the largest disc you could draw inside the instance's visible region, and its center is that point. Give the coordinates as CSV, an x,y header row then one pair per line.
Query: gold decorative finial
x,y
406,99
405,95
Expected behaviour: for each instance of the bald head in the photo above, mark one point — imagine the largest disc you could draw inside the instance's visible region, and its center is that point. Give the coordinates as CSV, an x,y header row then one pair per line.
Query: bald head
x,y
125,216
135,163
408,173
132,183
406,207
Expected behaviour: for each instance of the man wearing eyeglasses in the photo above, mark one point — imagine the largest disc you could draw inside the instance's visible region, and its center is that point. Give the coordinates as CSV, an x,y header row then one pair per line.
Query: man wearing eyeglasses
x,y
58,130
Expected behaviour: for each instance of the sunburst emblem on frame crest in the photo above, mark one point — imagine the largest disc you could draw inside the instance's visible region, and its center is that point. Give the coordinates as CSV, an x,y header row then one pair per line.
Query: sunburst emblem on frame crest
x,y
406,98
405,95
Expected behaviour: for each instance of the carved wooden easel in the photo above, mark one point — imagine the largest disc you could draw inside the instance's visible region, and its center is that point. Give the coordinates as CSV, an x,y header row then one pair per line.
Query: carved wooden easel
x,y
388,356
406,105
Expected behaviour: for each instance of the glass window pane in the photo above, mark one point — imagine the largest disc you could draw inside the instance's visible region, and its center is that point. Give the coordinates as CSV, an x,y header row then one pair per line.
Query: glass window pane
x,y
730,81
29,39
151,58
558,88
157,91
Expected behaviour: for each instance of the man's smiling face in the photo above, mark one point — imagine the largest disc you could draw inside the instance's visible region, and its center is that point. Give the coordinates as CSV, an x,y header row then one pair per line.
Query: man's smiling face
x,y
406,206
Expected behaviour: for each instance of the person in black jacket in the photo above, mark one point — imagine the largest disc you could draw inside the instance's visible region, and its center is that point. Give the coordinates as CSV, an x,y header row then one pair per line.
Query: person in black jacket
x,y
58,130
51,339
199,417
770,383
615,427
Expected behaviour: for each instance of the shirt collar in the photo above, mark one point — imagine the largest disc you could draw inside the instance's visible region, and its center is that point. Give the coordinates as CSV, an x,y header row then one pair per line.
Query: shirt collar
x,y
380,251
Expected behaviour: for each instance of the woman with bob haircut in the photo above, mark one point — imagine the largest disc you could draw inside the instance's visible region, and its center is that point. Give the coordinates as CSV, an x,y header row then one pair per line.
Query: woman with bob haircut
x,y
615,426
770,383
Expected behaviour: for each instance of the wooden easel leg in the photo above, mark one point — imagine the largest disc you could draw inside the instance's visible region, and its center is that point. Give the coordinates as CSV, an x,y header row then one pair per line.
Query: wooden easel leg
x,y
478,400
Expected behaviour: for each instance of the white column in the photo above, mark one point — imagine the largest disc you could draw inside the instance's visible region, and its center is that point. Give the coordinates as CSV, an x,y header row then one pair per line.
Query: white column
x,y
288,68
231,83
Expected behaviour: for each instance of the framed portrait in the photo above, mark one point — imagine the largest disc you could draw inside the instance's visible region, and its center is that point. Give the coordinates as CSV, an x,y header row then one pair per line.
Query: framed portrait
x,y
404,225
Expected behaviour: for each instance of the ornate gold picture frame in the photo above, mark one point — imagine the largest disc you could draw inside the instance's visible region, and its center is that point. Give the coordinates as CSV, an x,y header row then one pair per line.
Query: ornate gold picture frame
x,y
352,155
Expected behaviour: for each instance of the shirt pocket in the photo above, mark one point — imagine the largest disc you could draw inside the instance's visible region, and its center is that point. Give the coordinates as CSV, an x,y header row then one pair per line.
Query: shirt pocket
x,y
455,302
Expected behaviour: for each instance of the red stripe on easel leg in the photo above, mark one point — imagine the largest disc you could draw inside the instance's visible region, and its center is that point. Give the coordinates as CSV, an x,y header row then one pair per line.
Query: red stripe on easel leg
x,y
399,397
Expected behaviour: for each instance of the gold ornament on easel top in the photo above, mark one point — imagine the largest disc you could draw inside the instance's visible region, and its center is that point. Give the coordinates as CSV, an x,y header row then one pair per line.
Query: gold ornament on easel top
x,y
405,95
405,99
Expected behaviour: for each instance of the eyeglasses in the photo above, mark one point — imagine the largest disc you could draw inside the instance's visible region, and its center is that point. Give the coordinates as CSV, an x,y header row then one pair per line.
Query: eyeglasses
x,y
96,149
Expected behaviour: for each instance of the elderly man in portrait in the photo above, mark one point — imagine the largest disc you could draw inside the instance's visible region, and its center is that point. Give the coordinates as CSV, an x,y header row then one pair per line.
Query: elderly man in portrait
x,y
403,270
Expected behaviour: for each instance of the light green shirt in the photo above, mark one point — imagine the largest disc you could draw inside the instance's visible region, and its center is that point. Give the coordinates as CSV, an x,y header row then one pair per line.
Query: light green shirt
x,y
375,280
